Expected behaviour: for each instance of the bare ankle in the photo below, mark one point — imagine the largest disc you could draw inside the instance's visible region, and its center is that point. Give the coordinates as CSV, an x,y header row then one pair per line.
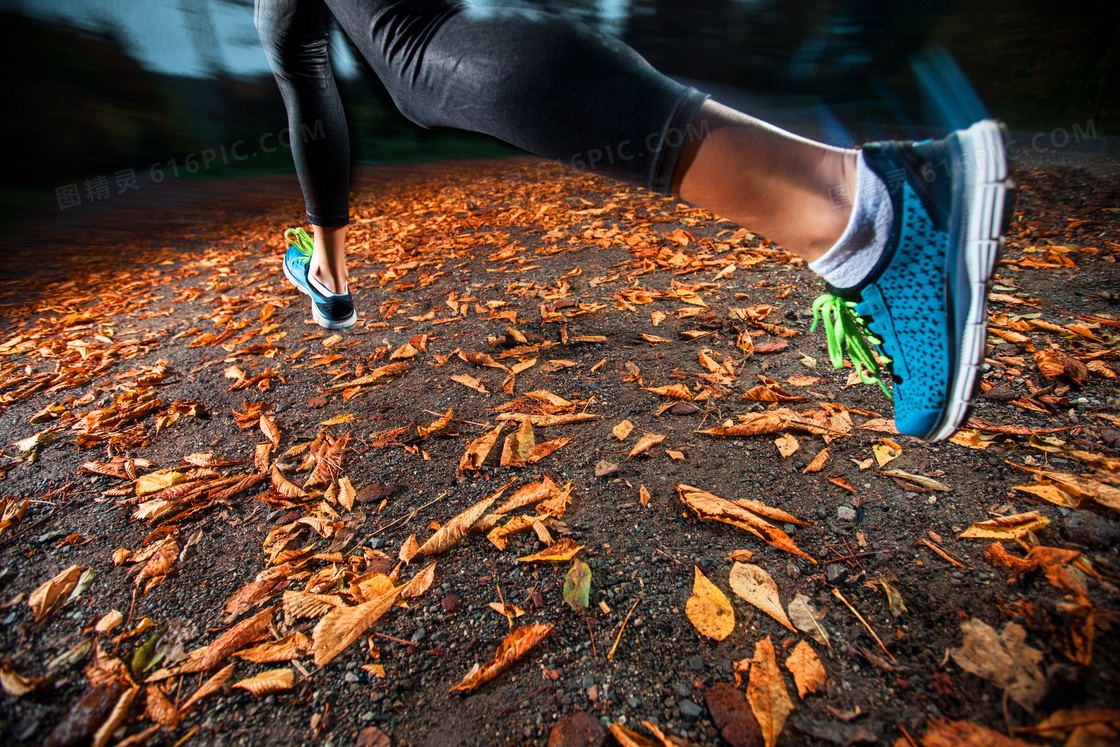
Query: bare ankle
x,y
335,282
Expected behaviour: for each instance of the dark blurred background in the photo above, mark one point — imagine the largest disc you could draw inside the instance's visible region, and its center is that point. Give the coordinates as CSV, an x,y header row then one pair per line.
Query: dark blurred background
x,y
93,89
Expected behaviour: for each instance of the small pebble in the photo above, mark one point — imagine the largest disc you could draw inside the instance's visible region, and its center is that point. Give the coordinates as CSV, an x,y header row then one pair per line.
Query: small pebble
x,y
690,709
845,513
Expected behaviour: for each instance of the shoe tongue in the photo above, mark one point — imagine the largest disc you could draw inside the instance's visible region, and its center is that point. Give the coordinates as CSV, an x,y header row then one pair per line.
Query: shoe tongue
x,y
324,289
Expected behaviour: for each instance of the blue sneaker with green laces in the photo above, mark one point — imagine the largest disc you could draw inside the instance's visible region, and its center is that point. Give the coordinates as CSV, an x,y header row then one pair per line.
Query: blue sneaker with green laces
x,y
330,310
924,305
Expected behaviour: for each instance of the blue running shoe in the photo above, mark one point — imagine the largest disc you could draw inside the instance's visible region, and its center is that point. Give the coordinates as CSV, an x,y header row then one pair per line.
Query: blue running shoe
x,y
925,302
331,310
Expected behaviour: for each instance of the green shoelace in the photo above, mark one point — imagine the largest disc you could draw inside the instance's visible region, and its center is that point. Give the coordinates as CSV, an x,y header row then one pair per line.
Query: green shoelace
x,y
298,238
846,331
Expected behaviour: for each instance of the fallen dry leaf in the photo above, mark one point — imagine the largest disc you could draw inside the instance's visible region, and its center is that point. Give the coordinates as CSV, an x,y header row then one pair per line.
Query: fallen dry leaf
x,y
739,514
285,649
53,593
622,430
709,609
560,552
479,449
752,583
806,619
420,583
344,625
266,683
766,692
818,462
1006,527
470,382
945,733
806,668
454,530
438,426
787,445
1004,659
271,432
647,442
515,645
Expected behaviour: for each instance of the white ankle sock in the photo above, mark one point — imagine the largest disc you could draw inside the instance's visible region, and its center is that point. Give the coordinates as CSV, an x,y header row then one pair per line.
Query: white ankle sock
x,y
322,288
859,248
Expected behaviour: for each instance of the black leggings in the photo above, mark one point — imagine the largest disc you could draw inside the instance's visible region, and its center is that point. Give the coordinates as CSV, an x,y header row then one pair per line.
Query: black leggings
x,y
551,87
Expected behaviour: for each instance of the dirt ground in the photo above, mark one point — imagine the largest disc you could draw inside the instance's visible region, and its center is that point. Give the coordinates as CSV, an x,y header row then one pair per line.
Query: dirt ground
x,y
614,292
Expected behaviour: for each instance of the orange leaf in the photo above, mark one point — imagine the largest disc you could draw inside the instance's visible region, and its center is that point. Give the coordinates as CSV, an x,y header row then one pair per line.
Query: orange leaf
x,y
647,442
806,668
479,449
515,645
344,625
284,487
767,692
419,583
437,426
450,533
45,599
269,429
561,552
540,451
755,585
266,683
470,382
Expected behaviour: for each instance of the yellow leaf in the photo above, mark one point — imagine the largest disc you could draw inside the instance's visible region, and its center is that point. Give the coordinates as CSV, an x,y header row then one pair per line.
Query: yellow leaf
x,y
806,668
709,609
886,451
755,585
339,419
266,683
515,645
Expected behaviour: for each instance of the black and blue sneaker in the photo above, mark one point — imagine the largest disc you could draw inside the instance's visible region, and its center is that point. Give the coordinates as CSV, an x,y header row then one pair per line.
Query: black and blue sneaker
x,y
925,302
330,310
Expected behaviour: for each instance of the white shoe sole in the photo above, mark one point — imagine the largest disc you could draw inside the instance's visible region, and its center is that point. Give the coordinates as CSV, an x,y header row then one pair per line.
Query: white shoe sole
x,y
987,200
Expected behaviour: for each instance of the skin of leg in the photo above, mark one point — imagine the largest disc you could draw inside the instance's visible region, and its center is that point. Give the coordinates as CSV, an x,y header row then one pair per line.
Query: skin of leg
x,y
782,186
328,261
767,180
